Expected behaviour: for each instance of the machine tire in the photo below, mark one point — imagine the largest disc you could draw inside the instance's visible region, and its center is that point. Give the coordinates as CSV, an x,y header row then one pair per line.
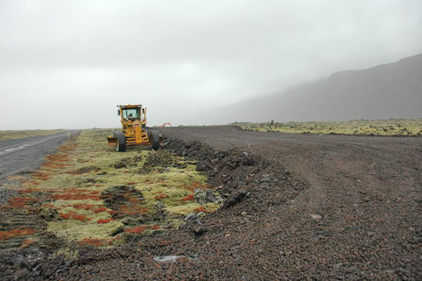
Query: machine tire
x,y
155,140
121,142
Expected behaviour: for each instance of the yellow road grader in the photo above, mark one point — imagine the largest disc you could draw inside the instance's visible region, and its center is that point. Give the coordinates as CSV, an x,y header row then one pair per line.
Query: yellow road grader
x,y
134,121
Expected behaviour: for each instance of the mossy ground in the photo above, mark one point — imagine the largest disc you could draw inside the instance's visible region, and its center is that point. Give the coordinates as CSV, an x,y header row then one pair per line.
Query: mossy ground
x,y
159,190
390,127
19,134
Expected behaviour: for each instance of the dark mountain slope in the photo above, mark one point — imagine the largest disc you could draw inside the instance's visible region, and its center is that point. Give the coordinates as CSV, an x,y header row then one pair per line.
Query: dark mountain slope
x,y
386,91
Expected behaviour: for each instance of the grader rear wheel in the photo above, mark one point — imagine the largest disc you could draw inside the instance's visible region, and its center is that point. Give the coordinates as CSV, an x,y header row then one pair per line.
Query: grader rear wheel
x,y
155,140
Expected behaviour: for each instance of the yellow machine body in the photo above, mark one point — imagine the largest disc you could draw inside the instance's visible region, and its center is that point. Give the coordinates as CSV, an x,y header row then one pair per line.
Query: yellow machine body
x,y
134,120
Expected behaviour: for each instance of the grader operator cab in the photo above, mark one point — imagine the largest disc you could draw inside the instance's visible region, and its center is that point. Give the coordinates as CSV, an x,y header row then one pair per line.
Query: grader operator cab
x,y
134,121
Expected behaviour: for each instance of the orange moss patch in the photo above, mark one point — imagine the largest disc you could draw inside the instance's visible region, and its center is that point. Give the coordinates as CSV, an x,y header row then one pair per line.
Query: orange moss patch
x,y
74,216
15,232
87,207
30,183
21,201
68,147
41,176
27,242
73,193
50,206
196,185
160,196
104,221
101,209
189,197
82,206
133,210
53,165
57,157
142,228
137,229
47,206
68,196
96,242
56,161
201,209
135,201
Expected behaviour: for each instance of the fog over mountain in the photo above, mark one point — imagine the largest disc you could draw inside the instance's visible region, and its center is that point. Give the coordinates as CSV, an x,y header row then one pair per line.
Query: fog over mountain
x,y
385,91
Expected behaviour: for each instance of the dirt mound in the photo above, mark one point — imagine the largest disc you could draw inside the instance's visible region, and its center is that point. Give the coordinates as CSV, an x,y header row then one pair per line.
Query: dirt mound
x,y
228,168
160,161
116,196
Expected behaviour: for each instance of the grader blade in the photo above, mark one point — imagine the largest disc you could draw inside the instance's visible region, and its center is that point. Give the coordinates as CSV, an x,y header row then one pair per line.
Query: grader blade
x,y
112,141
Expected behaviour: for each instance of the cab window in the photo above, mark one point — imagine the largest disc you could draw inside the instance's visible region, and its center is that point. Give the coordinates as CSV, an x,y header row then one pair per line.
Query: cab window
x,y
131,113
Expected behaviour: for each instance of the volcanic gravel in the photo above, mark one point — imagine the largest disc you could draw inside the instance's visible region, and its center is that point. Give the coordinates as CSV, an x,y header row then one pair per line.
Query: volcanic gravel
x,y
303,207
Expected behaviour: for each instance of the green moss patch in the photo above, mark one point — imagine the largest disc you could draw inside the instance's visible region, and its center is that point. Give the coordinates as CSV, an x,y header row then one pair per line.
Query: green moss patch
x,y
390,127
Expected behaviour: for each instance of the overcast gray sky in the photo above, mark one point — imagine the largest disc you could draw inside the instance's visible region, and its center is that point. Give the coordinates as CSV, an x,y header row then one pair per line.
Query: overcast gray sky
x,y
67,64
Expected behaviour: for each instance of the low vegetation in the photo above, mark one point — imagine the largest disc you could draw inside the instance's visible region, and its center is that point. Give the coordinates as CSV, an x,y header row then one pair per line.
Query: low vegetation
x,y
390,127
19,134
89,194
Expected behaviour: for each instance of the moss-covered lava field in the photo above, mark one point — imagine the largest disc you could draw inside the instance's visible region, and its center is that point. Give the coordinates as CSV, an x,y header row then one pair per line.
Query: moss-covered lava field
x,y
88,194
391,127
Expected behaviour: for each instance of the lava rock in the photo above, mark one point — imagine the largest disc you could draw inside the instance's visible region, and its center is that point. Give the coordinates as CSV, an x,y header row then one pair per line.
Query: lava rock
x,y
48,214
235,198
197,227
207,196
119,165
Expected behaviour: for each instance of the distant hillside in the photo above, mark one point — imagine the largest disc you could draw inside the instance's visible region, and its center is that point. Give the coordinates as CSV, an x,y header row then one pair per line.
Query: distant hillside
x,y
386,91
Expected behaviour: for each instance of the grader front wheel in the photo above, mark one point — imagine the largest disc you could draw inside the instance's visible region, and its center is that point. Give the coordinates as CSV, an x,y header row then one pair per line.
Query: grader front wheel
x,y
121,141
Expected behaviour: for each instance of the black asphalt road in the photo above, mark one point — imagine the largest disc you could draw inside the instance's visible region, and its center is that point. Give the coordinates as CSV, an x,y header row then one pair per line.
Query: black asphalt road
x,y
24,155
